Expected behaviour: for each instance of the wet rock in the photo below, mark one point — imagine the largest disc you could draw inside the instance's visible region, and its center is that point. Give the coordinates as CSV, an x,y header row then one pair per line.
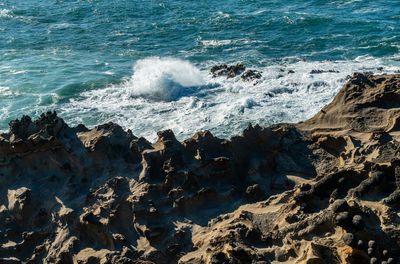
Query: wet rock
x,y
322,71
228,71
251,75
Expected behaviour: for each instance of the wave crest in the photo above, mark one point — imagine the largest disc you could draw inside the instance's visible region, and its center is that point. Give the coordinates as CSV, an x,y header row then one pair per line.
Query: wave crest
x,y
164,78
5,13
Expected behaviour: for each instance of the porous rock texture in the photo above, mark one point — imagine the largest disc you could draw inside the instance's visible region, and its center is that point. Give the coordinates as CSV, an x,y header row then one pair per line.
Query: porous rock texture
x,y
326,190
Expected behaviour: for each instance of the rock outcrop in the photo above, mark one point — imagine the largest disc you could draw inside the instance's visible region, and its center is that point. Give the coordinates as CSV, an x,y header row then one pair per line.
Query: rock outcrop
x,y
326,190
235,70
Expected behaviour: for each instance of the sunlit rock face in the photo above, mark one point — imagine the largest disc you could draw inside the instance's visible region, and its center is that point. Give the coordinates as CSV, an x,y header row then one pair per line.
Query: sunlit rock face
x,y
326,190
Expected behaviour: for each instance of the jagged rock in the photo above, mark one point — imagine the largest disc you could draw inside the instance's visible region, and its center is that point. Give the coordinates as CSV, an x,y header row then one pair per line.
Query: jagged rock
x,y
321,191
228,71
251,75
18,202
366,103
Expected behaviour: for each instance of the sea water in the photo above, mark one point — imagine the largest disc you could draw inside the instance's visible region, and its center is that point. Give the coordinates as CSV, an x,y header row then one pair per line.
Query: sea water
x,y
145,64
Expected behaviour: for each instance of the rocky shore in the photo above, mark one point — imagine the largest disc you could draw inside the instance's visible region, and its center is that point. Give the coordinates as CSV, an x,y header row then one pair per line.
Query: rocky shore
x,y
326,190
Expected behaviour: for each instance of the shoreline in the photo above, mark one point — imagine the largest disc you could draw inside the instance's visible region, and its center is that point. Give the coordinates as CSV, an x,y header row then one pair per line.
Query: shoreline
x,y
325,189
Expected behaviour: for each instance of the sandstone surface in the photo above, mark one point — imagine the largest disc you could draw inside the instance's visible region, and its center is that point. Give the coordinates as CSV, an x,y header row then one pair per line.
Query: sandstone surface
x,y
326,190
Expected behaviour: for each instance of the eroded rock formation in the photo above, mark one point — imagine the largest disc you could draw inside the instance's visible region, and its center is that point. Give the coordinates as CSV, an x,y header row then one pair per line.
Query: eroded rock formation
x,y
326,190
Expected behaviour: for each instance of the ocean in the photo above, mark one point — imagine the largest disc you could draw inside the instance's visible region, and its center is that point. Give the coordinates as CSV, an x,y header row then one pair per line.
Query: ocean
x,y
146,64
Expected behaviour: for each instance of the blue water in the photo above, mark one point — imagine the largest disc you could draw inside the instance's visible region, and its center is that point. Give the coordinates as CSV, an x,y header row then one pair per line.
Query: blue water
x,y
144,64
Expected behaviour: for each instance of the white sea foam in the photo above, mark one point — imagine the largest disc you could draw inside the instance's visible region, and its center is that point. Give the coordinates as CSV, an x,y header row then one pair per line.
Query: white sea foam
x,y
227,42
258,12
216,43
246,103
5,91
286,93
62,25
5,13
222,14
163,78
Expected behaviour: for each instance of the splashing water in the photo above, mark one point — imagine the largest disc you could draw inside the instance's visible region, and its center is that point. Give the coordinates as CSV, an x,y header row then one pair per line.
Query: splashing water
x,y
164,78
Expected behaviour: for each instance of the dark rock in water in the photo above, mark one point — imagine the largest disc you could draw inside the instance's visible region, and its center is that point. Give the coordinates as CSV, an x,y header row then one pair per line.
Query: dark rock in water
x,y
251,75
322,71
228,71
235,70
